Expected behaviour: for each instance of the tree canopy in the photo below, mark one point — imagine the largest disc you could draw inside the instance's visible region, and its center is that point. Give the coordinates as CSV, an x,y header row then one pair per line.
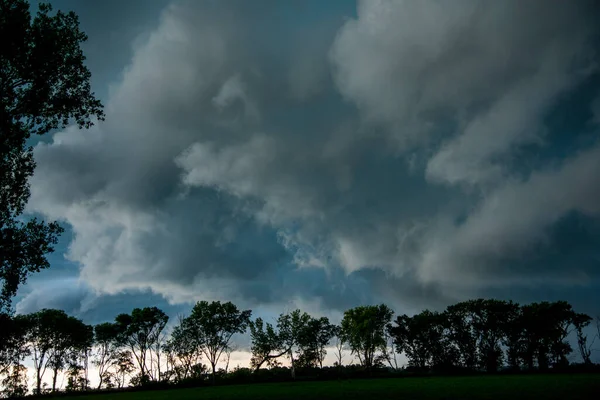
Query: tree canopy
x,y
44,85
141,332
364,330
211,326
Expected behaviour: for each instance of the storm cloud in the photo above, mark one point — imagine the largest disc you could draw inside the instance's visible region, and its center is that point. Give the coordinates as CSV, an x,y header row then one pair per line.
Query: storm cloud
x,y
404,153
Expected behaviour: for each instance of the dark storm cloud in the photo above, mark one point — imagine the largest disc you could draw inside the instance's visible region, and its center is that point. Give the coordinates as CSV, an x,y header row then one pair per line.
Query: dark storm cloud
x,y
373,161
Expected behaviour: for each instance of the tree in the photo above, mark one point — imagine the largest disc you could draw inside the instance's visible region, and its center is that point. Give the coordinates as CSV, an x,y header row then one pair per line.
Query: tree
x,y
421,338
70,338
488,319
13,351
339,344
124,366
364,330
513,332
182,352
291,336
312,339
267,344
140,331
580,321
212,326
80,342
15,382
228,351
106,338
545,329
39,338
44,85
462,334
292,328
54,339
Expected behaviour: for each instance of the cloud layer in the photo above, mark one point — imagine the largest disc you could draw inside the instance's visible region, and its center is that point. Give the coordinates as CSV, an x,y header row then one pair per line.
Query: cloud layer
x,y
403,154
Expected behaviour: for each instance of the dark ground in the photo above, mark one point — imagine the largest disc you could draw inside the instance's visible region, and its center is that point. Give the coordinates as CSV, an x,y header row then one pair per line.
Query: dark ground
x,y
512,387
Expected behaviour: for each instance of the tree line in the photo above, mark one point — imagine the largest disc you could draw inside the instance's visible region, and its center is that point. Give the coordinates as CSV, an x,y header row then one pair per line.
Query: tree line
x,y
136,348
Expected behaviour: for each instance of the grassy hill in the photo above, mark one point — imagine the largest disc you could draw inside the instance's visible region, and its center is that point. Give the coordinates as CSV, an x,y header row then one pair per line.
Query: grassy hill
x,y
579,386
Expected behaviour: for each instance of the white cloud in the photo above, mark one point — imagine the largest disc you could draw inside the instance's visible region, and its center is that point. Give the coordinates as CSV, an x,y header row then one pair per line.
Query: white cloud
x,y
513,120
67,294
209,180
509,222
410,65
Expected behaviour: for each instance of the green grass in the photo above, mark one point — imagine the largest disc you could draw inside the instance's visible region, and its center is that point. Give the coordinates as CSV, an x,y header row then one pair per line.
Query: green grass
x,y
580,386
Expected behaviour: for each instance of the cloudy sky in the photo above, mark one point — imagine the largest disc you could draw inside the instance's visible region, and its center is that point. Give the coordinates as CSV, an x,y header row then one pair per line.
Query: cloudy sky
x,y
326,155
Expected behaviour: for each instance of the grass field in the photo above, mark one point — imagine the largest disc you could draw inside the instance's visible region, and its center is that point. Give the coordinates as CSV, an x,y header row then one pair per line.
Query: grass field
x,y
580,386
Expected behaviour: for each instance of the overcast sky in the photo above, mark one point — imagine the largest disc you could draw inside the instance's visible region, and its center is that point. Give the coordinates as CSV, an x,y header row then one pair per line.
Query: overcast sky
x,y
323,155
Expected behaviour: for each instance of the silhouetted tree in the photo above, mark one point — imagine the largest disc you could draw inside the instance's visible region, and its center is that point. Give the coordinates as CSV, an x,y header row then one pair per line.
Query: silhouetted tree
x,y
513,332
14,350
69,339
312,340
44,85
339,344
364,330
106,338
212,325
423,339
81,340
461,333
182,352
140,331
293,328
54,338
269,343
546,327
390,351
580,322
410,339
124,367
489,319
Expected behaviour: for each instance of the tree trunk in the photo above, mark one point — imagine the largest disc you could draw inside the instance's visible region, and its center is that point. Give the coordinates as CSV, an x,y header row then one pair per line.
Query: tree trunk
x,y
38,382
54,376
213,364
269,357
260,364
293,367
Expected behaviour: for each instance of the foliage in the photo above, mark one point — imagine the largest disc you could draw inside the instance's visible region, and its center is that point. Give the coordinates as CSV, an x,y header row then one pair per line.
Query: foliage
x,y
473,335
267,344
496,333
15,381
211,326
580,321
55,340
106,336
44,85
312,339
124,367
296,335
141,331
363,328
182,354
